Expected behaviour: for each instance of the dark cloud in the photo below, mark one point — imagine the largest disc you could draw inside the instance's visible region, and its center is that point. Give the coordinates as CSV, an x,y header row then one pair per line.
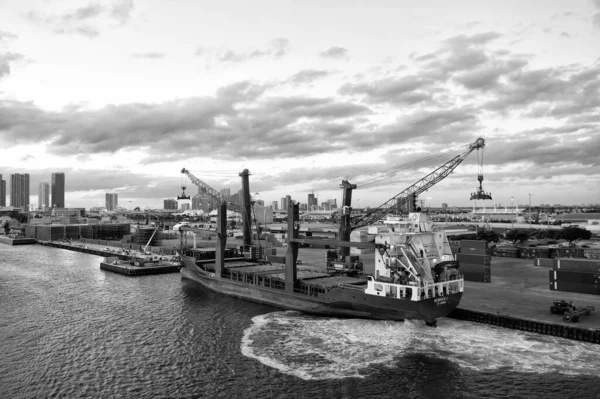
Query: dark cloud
x,y
150,55
334,52
5,60
405,90
307,76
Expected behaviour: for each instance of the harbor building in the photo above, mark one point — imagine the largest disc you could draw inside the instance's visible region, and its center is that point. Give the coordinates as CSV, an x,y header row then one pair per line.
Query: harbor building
x,y
19,190
112,201
58,190
43,196
2,191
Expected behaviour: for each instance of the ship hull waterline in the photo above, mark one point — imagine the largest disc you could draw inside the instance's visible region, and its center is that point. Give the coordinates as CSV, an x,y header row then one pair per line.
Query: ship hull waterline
x,y
336,302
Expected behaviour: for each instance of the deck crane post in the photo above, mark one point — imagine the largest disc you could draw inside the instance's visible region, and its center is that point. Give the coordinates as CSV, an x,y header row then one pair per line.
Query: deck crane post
x,y
398,201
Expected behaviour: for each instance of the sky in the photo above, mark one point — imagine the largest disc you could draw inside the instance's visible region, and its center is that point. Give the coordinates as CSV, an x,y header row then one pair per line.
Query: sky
x,y
121,95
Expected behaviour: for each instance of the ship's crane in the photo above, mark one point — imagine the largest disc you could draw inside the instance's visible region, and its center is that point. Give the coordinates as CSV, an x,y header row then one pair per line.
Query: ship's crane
x,y
244,209
347,224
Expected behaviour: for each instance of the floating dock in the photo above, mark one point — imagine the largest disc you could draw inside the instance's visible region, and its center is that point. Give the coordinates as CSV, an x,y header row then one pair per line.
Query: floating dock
x,y
131,268
16,241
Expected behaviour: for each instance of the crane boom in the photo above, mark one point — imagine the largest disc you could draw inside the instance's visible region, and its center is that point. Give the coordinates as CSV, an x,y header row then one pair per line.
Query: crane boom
x,y
412,191
200,183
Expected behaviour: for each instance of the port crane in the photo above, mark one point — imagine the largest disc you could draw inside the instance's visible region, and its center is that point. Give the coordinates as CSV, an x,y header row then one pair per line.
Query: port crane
x,y
396,203
245,209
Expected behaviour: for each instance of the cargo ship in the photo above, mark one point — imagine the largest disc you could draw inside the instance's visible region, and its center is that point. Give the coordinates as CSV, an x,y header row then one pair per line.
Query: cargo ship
x,y
415,277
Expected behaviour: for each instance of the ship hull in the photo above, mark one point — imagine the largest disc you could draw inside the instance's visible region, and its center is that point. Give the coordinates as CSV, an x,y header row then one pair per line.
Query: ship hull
x,y
337,302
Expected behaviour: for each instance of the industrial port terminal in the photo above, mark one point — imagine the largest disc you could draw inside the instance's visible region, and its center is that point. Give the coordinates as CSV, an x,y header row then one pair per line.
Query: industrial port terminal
x,y
505,284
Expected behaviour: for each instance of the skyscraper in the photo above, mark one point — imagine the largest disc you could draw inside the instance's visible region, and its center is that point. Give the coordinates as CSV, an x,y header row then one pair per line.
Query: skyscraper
x,y
311,199
112,201
2,191
58,190
19,190
43,196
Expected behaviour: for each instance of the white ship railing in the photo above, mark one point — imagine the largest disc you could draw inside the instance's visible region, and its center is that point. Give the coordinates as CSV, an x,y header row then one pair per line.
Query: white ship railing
x,y
413,292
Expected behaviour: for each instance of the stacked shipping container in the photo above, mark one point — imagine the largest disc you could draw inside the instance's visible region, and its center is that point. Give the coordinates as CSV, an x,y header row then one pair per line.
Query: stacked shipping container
x,y
575,275
475,261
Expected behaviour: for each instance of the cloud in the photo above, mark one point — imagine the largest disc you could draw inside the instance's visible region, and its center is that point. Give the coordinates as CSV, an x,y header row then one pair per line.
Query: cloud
x,y
84,20
5,60
5,36
596,16
405,90
150,55
277,48
121,11
335,52
307,76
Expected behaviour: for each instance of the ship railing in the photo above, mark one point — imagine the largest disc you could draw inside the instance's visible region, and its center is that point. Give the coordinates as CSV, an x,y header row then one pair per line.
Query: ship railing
x,y
413,291
310,289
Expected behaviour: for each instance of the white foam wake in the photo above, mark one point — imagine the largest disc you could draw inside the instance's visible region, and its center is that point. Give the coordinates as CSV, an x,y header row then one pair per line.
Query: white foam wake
x,y
323,348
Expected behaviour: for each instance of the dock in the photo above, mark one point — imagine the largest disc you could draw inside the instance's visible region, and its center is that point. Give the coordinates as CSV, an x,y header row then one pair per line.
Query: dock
x,y
129,268
519,297
8,240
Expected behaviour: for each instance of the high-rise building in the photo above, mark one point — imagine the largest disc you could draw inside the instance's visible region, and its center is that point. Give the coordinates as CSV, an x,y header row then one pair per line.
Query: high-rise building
x,y
311,200
2,191
112,201
332,203
284,203
43,196
274,205
58,190
196,202
19,190
226,193
170,204
185,207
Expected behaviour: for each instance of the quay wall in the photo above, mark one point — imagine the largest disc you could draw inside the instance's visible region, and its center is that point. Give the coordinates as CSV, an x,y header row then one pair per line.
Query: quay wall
x,y
517,323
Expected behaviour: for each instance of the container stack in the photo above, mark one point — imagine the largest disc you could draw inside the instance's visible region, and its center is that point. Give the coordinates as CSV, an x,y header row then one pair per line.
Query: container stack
x,y
475,261
360,236
575,275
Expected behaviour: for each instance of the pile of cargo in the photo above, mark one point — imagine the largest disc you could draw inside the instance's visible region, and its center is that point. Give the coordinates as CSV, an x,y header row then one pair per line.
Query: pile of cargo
x,y
575,275
545,252
475,261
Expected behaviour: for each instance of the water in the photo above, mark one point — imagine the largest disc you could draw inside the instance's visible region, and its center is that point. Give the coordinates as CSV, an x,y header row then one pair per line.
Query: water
x,y
68,329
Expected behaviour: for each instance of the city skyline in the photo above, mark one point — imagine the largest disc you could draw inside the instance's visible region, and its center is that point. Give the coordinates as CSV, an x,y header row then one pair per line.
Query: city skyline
x,y
302,95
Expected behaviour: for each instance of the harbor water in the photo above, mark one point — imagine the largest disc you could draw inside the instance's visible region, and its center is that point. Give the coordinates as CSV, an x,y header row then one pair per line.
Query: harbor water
x,y
68,329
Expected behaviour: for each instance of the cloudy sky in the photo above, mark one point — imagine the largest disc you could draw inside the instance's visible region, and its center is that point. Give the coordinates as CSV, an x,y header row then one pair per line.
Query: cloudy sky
x,y
121,95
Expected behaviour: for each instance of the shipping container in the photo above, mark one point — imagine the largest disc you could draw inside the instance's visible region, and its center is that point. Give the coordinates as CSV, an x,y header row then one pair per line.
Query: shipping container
x,y
475,259
575,287
480,277
580,265
574,277
543,262
481,244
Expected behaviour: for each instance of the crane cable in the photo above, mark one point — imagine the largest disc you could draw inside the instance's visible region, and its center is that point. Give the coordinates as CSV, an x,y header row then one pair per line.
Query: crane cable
x,y
395,171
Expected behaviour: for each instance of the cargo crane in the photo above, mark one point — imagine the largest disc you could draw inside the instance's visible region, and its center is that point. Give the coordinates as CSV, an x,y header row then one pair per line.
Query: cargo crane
x,y
408,195
245,209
